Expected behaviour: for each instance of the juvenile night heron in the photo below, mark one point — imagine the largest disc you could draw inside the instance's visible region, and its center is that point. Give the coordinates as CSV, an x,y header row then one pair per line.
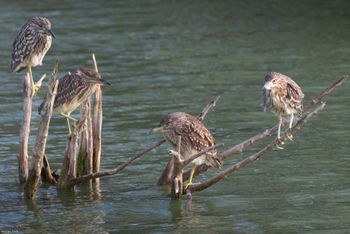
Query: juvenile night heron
x,y
30,45
74,88
195,137
282,96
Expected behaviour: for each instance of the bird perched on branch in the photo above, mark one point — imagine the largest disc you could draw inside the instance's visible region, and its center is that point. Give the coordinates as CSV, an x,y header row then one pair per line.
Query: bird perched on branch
x,y
282,96
195,137
74,88
30,45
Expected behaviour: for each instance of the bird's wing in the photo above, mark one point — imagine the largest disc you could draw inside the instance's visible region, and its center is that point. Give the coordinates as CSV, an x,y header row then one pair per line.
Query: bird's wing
x,y
68,87
198,134
295,95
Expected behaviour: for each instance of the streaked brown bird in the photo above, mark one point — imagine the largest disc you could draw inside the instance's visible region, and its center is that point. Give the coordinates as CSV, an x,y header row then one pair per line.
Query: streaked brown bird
x,y
282,96
30,45
74,88
195,137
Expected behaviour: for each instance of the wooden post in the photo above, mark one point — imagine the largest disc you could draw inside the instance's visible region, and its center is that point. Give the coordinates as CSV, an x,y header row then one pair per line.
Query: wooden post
x,y
25,130
32,183
85,158
97,125
68,170
46,173
177,182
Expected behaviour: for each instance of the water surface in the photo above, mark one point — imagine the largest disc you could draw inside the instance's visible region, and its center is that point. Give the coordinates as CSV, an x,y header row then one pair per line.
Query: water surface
x,y
166,56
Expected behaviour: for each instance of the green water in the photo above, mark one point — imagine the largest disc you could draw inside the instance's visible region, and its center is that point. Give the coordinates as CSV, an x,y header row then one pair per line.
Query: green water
x,y
166,56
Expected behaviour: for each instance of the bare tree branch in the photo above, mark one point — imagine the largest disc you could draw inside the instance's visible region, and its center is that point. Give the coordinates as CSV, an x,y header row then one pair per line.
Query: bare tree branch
x,y
32,183
115,170
97,124
28,94
256,156
268,132
207,108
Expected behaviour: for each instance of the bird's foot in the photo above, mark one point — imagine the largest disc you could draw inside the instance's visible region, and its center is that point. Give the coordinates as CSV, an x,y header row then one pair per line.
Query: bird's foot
x,y
35,89
279,143
289,136
187,185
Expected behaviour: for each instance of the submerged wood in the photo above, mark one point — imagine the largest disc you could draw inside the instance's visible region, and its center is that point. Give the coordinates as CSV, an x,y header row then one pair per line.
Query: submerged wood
x,y
168,172
243,145
68,170
250,159
25,131
32,183
177,182
116,170
46,173
97,124
85,158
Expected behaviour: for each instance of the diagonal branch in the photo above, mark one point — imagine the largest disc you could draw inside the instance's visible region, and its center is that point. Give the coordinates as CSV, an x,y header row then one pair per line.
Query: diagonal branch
x,y
116,170
268,132
256,156
168,172
193,157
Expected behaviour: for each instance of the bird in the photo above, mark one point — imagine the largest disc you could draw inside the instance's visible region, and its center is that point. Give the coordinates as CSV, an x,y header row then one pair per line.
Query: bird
x,y
74,88
195,137
284,97
31,45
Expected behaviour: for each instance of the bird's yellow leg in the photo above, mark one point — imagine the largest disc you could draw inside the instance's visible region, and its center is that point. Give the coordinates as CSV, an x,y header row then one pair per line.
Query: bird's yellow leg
x,y
191,177
34,87
68,117
69,130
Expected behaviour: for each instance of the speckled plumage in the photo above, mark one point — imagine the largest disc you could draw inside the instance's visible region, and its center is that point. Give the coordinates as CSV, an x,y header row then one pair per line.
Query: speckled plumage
x,y
31,44
283,96
74,88
195,137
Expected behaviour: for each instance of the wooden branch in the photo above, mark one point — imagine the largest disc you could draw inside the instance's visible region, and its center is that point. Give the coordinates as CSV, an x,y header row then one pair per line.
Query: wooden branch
x,y
115,170
193,157
177,182
168,173
207,108
327,91
28,94
97,124
268,132
203,185
32,183
85,158
25,130
46,173
68,165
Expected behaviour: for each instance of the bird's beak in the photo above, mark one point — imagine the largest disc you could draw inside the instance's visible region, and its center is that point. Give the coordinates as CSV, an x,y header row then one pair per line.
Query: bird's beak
x,y
51,33
104,81
159,128
268,85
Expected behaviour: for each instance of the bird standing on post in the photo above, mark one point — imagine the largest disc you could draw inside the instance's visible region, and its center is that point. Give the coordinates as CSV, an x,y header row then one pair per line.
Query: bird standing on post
x,y
30,46
74,88
283,97
195,137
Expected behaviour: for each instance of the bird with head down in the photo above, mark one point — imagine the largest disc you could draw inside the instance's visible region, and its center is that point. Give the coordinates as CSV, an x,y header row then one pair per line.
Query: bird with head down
x,y
195,137
284,97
